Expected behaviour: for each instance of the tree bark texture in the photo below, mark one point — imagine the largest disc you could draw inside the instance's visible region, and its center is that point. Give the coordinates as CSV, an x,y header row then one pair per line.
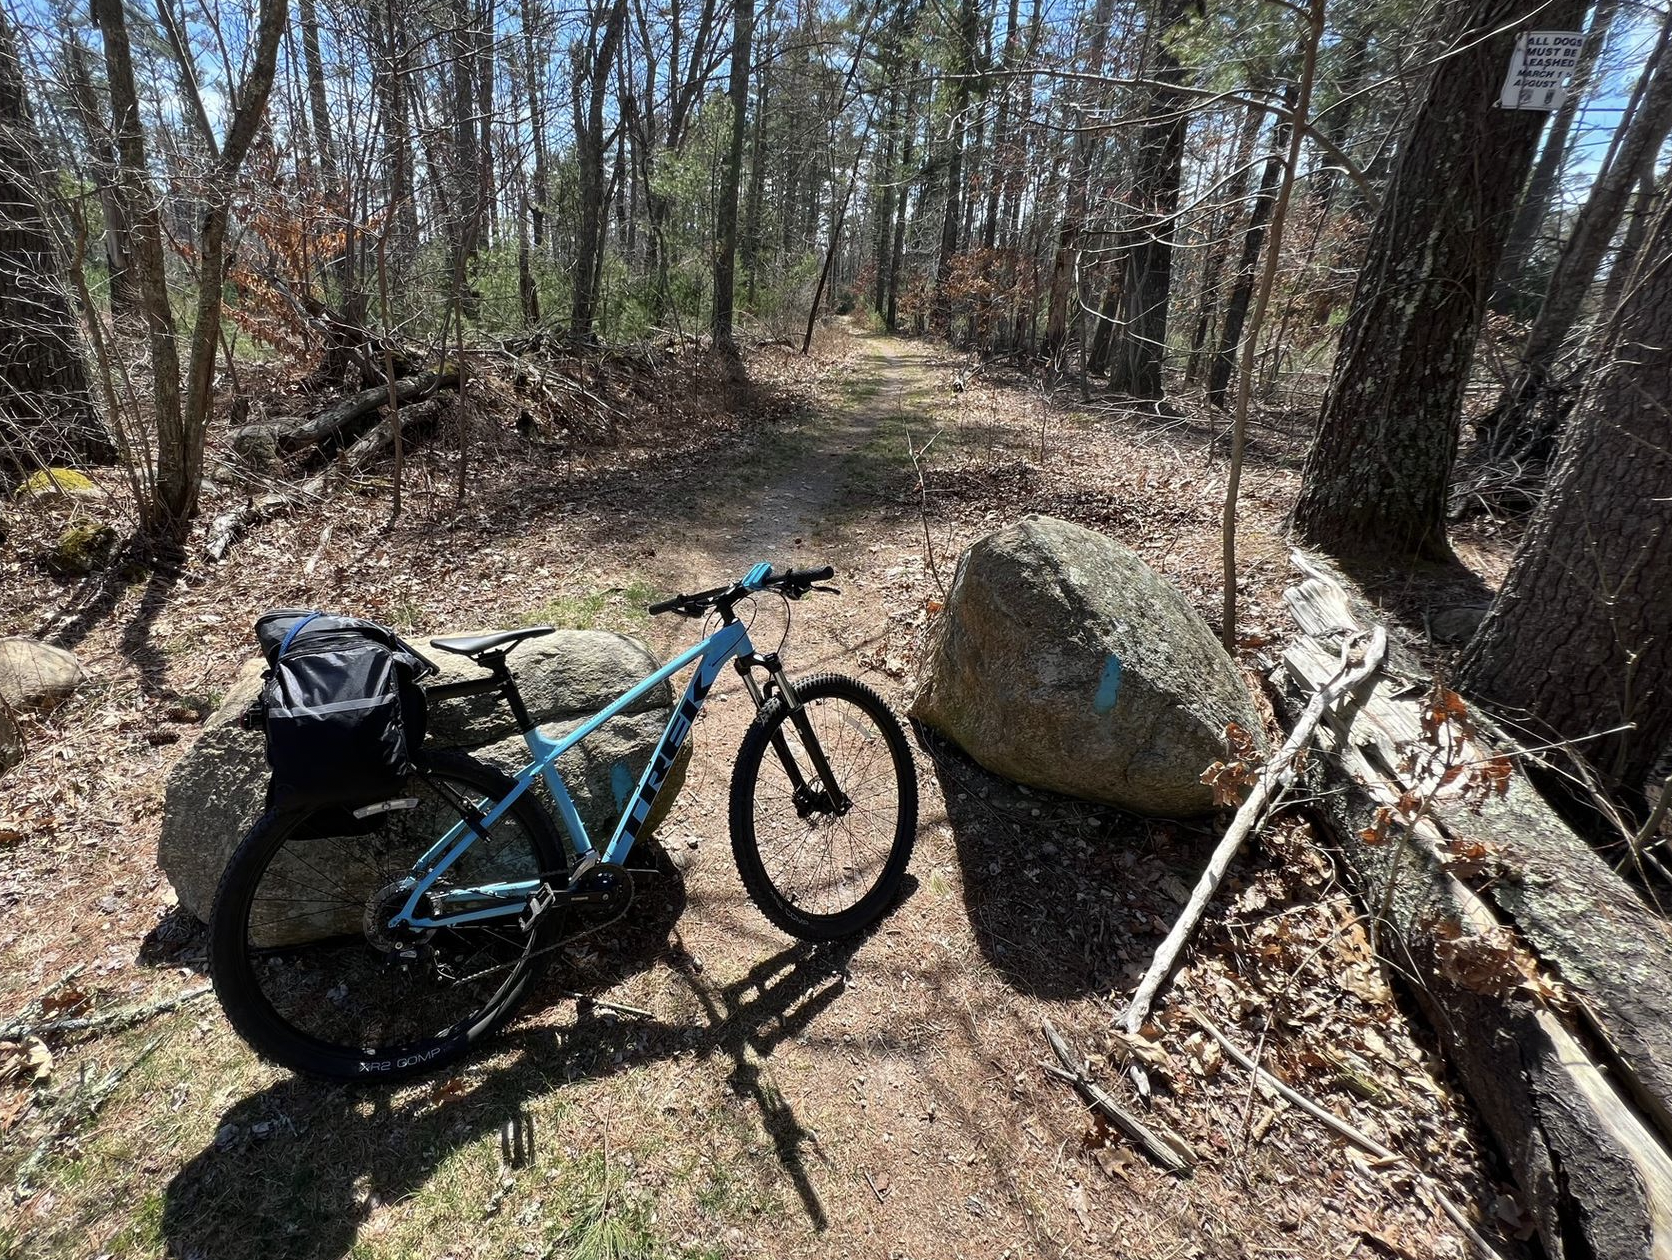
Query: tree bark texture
x,y
968,31
1578,637
591,75
1379,469
1078,193
1242,291
1146,290
725,212
47,415
1213,268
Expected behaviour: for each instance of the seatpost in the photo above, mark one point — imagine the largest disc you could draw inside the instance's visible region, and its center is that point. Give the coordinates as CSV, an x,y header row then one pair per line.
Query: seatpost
x,y
495,661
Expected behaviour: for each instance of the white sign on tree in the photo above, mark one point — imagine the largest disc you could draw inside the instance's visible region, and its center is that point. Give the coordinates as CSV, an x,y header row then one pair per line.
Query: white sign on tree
x,y
1540,69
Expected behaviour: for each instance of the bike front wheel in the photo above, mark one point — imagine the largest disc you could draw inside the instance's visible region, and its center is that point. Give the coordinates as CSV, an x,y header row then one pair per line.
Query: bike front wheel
x,y
302,955
824,860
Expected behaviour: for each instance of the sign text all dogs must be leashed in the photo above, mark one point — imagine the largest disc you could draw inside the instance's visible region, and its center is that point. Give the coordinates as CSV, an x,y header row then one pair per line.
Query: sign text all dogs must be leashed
x,y
1540,69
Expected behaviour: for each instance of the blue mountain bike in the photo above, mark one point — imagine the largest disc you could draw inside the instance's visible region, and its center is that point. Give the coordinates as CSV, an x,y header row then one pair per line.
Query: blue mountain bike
x,y
387,940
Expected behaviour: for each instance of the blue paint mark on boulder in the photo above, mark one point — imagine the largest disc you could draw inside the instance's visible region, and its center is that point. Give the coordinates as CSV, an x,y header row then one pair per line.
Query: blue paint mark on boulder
x,y
1108,686
621,784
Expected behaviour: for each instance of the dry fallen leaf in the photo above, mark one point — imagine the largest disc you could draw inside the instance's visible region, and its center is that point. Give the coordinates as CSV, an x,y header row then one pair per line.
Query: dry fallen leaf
x,y
1116,1161
1120,1047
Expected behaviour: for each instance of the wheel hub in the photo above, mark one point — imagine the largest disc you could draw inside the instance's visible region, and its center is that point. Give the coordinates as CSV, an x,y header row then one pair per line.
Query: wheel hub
x,y
383,906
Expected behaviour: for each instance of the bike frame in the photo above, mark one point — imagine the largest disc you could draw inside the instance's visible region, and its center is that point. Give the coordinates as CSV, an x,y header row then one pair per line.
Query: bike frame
x,y
731,641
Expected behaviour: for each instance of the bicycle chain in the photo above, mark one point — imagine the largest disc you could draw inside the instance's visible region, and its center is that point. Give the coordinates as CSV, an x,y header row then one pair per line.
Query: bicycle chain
x,y
626,905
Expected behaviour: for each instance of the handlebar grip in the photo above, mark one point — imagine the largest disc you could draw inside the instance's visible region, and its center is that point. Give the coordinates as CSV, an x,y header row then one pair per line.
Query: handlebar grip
x,y
667,605
805,577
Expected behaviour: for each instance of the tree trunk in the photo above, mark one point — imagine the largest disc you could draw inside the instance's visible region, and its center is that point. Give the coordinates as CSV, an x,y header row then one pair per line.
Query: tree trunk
x,y
887,175
1141,345
725,256
591,73
1377,476
1078,192
751,244
47,415
533,24
1521,425
1530,215
891,316
101,146
1219,247
1577,638
968,31
161,514
182,410
1103,340
1651,195
998,166
1242,293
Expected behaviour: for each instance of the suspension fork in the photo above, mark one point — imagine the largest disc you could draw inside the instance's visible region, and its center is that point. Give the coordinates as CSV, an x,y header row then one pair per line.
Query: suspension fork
x,y
778,683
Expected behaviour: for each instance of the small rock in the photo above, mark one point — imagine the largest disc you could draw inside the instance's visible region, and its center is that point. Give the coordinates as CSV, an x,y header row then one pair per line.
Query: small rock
x,y
1456,625
36,675
57,483
80,549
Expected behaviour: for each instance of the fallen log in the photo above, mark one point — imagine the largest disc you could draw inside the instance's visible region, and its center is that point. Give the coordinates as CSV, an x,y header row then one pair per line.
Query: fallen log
x,y
1578,914
294,434
228,527
1595,1171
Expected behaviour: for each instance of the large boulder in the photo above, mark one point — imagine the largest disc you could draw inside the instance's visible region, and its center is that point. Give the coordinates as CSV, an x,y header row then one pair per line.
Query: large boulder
x,y
1065,662
216,790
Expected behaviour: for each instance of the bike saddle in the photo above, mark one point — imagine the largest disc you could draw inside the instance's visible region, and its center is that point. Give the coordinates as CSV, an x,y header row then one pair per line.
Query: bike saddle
x,y
476,644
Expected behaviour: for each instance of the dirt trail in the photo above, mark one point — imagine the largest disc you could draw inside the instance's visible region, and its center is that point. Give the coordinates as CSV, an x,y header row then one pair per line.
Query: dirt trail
x,y
781,516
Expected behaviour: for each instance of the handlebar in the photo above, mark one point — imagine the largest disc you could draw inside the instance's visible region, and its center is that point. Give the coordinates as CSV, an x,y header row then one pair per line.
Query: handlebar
x,y
792,584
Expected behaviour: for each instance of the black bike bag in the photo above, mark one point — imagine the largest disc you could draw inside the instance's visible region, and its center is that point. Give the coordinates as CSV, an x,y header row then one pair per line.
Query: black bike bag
x,y
341,707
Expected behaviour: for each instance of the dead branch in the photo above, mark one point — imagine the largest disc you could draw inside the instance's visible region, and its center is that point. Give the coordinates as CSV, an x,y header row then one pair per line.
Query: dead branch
x,y
331,421
1166,1149
88,1108
1276,776
1575,1118
126,1017
1330,1120
229,526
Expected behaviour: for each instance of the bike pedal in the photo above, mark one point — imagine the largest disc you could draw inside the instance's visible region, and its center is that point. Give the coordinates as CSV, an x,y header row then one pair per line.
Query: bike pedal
x,y
543,900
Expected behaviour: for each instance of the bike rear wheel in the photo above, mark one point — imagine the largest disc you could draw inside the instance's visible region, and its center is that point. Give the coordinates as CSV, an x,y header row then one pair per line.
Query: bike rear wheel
x,y
304,962
822,865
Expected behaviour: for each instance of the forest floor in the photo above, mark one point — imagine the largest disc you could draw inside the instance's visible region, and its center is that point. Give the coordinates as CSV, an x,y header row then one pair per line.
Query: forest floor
x,y
884,1098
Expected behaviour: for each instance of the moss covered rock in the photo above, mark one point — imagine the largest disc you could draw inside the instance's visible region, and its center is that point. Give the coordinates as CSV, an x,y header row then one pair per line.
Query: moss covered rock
x,y
81,548
57,483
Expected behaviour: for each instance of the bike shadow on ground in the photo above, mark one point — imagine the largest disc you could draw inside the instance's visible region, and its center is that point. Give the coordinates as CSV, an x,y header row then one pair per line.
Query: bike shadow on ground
x,y
301,1166
1064,896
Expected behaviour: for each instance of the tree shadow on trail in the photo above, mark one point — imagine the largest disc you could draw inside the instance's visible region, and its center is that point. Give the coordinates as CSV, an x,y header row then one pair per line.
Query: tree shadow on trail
x,y
301,1165
97,596
1064,895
